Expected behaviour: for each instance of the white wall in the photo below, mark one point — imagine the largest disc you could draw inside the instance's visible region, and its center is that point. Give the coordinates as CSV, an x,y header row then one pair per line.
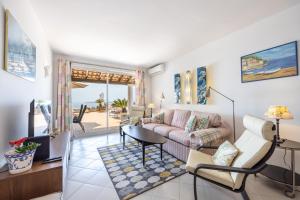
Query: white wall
x,y
16,93
222,59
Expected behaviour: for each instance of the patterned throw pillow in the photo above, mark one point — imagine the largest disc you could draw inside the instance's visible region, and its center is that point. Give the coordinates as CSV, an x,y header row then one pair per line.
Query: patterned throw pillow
x,y
225,154
190,124
159,118
201,123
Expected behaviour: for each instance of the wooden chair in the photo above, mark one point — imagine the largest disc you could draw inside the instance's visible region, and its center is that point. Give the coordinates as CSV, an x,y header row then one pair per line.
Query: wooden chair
x,y
77,119
256,145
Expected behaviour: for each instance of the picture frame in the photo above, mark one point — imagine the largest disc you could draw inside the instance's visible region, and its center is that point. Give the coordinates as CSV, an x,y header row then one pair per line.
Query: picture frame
x,y
201,85
276,62
20,52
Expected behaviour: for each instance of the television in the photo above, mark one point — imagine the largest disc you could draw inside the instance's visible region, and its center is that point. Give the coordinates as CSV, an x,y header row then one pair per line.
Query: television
x,y
39,118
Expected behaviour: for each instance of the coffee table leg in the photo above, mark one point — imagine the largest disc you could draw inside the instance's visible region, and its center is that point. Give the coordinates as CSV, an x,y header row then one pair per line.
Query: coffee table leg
x,y
123,140
161,148
143,146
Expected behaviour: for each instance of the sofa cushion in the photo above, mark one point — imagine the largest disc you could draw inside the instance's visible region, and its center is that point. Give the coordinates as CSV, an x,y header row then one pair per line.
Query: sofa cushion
x,y
190,124
158,118
214,119
180,118
180,136
197,157
150,126
168,116
201,123
225,154
164,130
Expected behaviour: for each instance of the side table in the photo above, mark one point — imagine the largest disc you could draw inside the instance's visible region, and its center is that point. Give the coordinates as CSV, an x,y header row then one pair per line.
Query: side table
x,y
283,175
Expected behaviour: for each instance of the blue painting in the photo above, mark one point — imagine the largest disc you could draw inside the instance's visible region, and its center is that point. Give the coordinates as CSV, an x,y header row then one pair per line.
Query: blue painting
x,y
201,85
280,61
177,88
20,52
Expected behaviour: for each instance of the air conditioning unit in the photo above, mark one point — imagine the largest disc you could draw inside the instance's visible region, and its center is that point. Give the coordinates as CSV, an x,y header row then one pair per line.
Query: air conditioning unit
x,y
158,69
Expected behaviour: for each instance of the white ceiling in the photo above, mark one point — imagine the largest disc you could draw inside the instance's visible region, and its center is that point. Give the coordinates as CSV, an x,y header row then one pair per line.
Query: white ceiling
x,y
145,32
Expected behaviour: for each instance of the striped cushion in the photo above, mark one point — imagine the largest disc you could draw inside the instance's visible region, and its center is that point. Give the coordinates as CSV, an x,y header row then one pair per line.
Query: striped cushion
x,y
180,118
168,116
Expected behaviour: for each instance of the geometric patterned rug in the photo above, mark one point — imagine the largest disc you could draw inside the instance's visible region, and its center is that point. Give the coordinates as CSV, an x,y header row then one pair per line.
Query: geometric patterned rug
x,y
127,173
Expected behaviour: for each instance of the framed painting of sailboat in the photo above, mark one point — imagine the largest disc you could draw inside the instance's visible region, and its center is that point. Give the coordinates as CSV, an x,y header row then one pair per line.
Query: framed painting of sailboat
x,y
277,62
20,52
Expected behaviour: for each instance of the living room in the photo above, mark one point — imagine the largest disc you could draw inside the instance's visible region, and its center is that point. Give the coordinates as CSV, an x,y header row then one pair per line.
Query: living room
x,y
149,99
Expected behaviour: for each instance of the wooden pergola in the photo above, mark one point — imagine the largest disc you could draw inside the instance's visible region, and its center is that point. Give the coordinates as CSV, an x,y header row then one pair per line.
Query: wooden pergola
x,y
82,75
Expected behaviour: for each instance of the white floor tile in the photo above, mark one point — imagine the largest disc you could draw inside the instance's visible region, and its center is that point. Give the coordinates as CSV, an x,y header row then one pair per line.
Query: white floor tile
x,y
88,179
87,192
71,188
83,175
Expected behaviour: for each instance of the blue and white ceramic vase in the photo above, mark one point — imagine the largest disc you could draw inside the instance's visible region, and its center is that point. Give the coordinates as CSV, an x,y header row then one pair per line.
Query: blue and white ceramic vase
x,y
19,162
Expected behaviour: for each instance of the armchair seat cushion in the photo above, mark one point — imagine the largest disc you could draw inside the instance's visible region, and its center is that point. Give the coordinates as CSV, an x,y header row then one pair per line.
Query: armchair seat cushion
x,y
164,130
150,126
180,136
196,157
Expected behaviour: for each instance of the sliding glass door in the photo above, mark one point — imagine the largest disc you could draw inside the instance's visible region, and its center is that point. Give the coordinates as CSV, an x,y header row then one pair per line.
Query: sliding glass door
x,y
106,99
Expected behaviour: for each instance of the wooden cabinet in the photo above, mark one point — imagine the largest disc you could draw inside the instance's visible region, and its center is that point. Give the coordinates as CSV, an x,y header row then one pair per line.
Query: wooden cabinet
x,y
42,179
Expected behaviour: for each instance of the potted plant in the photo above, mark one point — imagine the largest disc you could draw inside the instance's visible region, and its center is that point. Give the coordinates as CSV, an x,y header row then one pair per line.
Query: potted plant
x,y
20,158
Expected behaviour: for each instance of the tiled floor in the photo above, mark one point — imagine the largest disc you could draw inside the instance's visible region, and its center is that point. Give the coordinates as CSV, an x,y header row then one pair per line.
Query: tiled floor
x,y
88,180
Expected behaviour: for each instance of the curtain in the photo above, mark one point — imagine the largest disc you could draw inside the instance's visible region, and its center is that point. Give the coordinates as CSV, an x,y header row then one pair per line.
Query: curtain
x,y
64,101
140,87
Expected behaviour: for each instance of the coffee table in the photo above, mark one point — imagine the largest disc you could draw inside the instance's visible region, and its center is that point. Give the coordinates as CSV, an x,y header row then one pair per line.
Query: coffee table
x,y
144,136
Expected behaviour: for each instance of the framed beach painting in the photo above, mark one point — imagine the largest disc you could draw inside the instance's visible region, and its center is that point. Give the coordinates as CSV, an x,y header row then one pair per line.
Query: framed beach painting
x,y
276,62
177,88
20,52
201,85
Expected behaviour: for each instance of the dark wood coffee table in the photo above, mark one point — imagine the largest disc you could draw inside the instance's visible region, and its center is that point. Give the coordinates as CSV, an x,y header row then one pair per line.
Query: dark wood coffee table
x,y
143,136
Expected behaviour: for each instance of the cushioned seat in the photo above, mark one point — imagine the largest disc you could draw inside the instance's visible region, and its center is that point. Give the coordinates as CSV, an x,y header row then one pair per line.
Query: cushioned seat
x,y
196,157
180,136
150,126
255,145
164,130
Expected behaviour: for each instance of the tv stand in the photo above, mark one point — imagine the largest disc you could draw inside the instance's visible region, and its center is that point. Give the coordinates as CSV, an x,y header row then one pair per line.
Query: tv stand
x,y
42,179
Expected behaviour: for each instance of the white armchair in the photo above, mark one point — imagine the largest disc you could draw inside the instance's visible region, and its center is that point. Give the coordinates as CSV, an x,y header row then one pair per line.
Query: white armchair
x,y
255,145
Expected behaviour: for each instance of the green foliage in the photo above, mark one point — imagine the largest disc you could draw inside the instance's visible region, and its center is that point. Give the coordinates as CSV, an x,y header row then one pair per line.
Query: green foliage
x,y
120,103
27,146
101,103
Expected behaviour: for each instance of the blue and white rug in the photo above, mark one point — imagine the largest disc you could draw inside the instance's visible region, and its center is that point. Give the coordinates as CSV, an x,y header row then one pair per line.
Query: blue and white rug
x,y
129,177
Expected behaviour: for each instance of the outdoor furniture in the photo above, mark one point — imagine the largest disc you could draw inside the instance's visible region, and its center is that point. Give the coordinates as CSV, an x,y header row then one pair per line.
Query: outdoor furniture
x,y
143,136
256,145
77,119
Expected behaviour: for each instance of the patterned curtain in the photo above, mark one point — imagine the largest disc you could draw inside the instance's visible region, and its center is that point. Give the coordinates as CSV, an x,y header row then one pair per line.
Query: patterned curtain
x,y
64,101
140,87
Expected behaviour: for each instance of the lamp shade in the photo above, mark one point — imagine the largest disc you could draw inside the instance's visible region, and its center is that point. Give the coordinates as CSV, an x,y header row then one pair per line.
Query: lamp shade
x,y
151,105
278,112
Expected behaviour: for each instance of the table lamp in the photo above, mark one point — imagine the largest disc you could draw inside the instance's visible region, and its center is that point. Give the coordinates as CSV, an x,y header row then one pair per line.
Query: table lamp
x,y
151,106
278,112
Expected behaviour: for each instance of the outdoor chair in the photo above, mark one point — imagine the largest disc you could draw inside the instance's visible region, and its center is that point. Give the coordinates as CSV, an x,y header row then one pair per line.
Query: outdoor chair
x,y
77,119
255,145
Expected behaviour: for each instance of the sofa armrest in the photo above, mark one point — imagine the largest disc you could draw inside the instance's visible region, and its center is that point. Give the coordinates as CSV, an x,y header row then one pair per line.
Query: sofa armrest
x,y
146,120
205,137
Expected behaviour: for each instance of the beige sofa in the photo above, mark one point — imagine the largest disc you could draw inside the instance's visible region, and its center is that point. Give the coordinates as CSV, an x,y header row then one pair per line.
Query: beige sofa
x,y
179,143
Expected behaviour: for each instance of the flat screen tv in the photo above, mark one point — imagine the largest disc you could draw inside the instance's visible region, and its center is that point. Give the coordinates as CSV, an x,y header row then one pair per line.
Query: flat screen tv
x,y
39,118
